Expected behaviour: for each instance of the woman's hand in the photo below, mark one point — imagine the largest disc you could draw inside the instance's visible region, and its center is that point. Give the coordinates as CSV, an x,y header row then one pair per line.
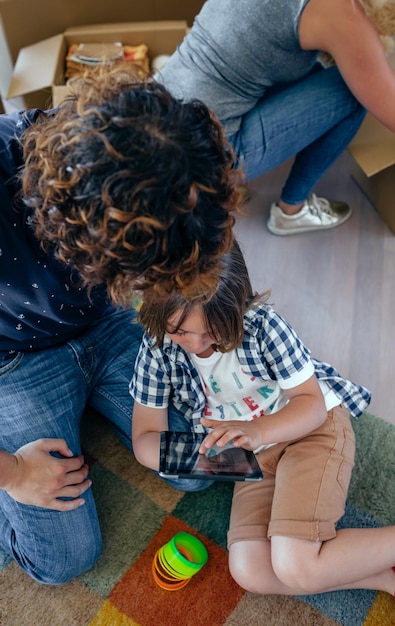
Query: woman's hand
x,y
38,478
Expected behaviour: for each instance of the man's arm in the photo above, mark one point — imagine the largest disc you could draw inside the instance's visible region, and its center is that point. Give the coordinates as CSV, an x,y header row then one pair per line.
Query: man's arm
x,y
7,465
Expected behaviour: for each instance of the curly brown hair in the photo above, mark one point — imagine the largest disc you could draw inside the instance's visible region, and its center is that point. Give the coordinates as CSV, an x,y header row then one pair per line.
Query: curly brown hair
x,y
223,312
132,187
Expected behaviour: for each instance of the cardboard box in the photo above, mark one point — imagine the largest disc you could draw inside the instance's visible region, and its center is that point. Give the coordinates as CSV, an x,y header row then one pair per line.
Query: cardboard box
x,y
23,22
373,150
38,78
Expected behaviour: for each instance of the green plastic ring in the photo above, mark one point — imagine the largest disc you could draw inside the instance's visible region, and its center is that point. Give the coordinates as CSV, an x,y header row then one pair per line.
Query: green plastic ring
x,y
175,551
166,567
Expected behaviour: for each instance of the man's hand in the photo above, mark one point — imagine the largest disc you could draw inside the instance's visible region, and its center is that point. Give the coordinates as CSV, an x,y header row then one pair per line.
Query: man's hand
x,y
38,478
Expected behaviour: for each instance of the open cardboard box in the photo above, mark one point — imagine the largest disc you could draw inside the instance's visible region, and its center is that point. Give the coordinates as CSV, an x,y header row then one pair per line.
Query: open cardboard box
x,y
38,78
373,150
23,23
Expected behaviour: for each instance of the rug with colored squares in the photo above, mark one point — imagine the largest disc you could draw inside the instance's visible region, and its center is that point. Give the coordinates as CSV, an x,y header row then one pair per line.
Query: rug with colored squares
x,y
139,514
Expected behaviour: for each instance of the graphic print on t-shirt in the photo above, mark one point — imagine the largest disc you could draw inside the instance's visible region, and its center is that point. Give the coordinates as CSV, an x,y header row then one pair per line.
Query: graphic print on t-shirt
x,y
233,393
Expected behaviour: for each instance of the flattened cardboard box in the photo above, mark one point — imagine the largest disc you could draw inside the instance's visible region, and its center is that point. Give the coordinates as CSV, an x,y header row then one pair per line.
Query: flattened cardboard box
x,y
38,78
373,150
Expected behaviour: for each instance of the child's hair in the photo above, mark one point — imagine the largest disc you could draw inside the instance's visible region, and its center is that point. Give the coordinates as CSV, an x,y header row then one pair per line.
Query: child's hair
x,y
223,313
132,187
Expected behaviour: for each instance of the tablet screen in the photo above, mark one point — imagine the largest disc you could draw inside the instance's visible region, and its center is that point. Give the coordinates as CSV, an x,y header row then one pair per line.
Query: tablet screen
x,y
180,457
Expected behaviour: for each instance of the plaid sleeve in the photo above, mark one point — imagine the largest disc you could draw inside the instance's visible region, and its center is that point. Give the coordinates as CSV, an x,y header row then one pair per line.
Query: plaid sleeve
x,y
288,360
180,449
285,354
150,384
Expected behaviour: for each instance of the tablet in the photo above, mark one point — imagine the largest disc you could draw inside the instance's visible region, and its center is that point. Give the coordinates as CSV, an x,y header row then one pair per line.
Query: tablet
x,y
180,458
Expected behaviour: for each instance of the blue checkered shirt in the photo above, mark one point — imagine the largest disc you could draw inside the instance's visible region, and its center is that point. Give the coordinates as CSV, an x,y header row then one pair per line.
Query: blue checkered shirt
x,y
270,350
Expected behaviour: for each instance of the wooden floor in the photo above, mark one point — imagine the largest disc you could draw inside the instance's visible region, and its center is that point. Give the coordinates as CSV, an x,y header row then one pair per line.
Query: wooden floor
x,y
336,287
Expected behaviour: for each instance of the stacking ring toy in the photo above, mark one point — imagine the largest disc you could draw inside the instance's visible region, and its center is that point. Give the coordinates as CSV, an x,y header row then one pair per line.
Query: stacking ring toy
x,y
178,560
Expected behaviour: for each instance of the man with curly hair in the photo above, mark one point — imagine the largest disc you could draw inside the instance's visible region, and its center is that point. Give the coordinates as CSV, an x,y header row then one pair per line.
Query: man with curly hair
x,y
121,188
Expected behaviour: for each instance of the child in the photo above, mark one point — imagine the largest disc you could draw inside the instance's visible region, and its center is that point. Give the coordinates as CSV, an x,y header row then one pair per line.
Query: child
x,y
234,360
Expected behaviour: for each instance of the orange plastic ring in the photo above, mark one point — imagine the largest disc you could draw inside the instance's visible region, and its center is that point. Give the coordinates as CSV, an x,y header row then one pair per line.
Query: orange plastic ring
x,y
175,586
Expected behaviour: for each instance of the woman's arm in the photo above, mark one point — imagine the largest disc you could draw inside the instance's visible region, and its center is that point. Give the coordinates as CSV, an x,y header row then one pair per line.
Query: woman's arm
x,y
147,423
304,413
342,28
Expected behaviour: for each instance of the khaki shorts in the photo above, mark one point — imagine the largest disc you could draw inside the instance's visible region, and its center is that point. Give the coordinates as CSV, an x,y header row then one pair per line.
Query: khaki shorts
x,y
304,489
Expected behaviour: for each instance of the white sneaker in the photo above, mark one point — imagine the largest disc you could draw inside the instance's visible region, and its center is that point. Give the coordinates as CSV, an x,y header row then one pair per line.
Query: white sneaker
x,y
315,214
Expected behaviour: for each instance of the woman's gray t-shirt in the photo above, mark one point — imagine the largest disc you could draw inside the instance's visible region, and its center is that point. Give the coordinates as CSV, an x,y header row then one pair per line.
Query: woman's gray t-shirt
x,y
235,51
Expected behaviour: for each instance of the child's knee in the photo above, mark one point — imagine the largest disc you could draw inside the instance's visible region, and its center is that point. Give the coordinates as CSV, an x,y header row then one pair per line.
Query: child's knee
x,y
295,566
247,566
242,576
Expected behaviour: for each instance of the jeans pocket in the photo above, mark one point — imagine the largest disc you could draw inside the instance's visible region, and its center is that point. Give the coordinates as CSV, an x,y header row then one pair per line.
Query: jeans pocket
x,y
9,363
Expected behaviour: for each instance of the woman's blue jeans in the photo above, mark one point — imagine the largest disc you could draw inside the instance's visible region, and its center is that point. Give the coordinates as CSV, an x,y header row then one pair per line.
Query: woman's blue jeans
x,y
313,120
44,394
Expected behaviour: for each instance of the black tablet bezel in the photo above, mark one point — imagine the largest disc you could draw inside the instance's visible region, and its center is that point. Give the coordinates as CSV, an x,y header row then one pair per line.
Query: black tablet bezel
x,y
179,454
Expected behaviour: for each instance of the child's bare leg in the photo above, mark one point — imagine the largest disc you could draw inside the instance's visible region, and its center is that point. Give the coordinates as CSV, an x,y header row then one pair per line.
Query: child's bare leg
x,y
357,558
250,564
309,567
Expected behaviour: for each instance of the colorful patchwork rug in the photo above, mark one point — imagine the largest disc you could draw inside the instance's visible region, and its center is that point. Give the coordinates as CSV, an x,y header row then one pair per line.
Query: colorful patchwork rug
x,y
139,514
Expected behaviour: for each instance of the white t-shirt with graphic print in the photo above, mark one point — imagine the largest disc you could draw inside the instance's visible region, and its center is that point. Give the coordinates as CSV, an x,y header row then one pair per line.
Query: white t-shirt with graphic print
x,y
233,394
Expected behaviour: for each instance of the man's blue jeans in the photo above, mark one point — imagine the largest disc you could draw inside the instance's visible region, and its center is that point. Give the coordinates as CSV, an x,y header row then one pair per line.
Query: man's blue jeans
x,y
313,120
43,395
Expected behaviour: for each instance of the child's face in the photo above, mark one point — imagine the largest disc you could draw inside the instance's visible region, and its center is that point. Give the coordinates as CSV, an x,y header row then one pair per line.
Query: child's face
x,y
192,336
